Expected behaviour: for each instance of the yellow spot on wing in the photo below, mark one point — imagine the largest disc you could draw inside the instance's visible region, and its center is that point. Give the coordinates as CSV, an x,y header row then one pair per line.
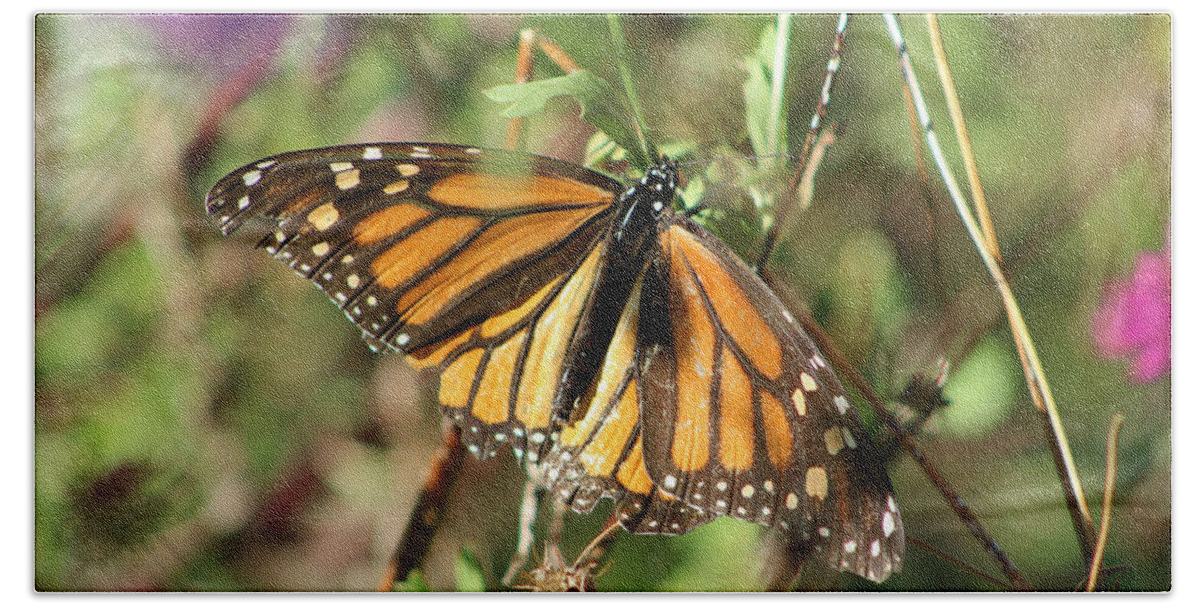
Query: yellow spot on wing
x,y
808,382
346,180
816,482
324,216
396,187
833,440
799,402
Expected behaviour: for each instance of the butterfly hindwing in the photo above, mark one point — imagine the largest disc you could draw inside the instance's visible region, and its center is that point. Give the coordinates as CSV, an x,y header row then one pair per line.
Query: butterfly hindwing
x,y
598,453
742,416
499,380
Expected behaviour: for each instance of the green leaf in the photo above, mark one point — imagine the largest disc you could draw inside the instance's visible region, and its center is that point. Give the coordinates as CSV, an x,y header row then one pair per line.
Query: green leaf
x,y
982,391
693,193
756,90
468,574
599,104
414,583
600,147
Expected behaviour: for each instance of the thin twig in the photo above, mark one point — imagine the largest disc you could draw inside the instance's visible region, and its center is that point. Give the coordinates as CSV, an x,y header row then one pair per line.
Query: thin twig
x,y
529,507
958,563
524,71
427,514
804,195
788,200
556,54
595,549
1034,374
1110,484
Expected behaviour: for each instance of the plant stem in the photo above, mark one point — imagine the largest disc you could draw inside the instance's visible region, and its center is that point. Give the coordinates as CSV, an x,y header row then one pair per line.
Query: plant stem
x,y
775,143
622,48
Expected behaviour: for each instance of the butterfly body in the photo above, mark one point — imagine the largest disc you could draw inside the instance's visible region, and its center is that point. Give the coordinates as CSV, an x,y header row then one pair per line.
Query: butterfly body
x,y
616,346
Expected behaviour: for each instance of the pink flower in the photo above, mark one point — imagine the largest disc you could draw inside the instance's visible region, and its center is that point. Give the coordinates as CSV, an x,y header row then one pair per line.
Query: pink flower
x,y
1133,320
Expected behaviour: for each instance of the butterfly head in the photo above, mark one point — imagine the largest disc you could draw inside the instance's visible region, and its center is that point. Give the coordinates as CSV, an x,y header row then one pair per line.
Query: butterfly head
x,y
649,200
659,184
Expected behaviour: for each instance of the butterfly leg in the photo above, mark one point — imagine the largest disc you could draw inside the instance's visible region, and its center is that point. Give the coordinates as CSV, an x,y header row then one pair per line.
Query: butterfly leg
x,y
427,513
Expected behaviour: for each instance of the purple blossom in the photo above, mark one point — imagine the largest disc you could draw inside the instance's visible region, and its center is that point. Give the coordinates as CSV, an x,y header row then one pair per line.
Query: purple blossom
x,y
221,44
237,52
1133,321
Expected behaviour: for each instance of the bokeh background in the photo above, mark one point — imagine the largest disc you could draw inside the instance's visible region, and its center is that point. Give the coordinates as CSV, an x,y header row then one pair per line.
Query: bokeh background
x,y
207,421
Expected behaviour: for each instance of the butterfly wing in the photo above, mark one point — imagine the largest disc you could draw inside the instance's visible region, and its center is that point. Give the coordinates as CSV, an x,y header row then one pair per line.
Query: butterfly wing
x,y
599,453
500,380
468,260
741,415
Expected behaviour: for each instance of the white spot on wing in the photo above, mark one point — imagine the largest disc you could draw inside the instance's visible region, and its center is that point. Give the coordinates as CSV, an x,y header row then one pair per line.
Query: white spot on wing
x,y
842,404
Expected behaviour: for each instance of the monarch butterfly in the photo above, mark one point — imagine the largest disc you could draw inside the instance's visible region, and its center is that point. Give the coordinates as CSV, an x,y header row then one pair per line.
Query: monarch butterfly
x,y
620,349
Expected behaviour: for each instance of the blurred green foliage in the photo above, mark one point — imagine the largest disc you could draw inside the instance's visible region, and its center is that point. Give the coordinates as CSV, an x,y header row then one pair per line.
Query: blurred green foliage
x,y
207,421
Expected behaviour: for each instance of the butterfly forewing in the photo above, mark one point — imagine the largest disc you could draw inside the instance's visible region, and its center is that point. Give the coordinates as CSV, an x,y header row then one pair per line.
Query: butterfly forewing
x,y
470,260
743,417
417,242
